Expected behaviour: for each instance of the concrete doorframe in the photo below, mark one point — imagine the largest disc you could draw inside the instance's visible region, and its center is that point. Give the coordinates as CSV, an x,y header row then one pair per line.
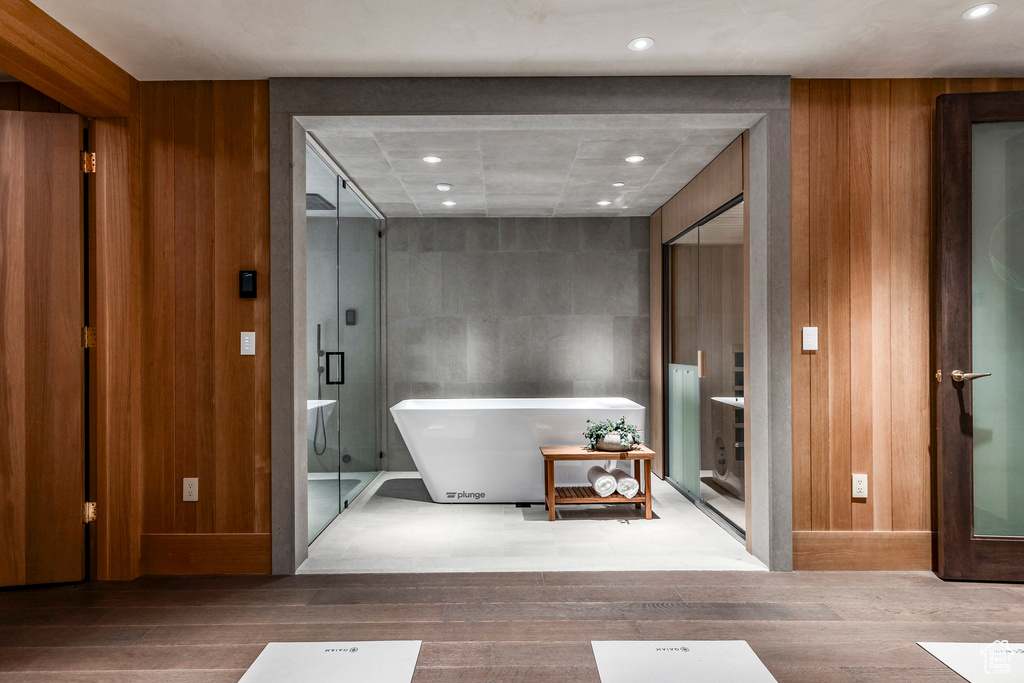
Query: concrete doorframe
x,y
769,368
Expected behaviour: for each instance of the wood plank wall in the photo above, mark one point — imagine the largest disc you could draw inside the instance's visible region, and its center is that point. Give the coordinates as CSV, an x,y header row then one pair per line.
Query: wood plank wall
x,y
116,377
16,96
719,182
861,241
205,216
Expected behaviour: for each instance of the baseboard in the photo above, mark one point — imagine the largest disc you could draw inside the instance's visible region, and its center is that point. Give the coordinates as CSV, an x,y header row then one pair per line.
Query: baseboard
x,y
864,550
164,554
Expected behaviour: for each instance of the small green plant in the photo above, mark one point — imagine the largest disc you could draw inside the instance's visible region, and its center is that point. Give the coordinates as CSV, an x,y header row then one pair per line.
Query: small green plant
x,y
629,434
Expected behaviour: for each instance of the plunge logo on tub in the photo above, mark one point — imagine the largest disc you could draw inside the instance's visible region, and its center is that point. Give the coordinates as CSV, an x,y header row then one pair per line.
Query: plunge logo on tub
x,y
459,495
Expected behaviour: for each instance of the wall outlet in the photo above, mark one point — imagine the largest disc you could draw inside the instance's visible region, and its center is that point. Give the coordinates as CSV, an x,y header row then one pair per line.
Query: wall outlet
x,y
860,486
190,489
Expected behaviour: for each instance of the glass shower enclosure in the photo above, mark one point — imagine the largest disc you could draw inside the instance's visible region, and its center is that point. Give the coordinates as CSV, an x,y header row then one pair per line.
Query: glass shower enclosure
x,y
342,341
706,337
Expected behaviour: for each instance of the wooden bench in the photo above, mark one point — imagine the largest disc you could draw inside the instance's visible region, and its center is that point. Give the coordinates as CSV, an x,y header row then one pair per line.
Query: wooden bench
x,y
580,495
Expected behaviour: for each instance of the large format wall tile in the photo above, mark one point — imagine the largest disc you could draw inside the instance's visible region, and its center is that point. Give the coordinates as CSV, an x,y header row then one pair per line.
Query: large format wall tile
x,y
515,307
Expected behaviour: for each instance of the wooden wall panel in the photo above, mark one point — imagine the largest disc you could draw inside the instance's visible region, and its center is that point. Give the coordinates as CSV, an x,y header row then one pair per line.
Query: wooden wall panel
x,y
116,373
858,551
205,217
720,181
912,110
206,554
801,305
656,416
861,240
37,50
15,96
42,363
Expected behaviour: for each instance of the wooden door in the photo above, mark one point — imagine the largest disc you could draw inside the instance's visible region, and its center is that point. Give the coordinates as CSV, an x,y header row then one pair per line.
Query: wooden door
x,y
42,362
980,335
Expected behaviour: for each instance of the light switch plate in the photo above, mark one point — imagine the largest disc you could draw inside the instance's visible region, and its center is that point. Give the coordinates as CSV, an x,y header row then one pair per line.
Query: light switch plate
x,y
810,339
190,489
248,343
860,486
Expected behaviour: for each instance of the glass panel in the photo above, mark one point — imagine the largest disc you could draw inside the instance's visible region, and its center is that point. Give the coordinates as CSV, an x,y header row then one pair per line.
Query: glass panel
x,y
998,327
358,292
684,385
322,449
684,427
721,340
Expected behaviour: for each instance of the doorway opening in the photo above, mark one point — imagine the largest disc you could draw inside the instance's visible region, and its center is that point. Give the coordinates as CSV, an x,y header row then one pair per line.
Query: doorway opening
x,y
706,332
485,296
343,443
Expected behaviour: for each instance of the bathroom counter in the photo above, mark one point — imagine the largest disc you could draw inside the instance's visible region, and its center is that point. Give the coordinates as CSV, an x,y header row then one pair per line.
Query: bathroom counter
x,y
642,458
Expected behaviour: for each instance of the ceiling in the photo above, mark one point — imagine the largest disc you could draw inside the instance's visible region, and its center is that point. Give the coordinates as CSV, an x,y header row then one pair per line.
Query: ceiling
x,y
524,165
223,39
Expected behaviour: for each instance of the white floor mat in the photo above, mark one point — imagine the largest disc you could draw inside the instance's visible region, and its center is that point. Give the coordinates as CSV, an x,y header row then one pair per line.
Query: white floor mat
x,y
387,661
980,662
678,661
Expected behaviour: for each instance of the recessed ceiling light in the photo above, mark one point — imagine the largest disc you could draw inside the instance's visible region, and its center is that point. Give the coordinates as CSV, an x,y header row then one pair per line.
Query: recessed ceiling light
x,y
449,203
641,44
432,160
444,187
635,159
603,202
618,184
980,11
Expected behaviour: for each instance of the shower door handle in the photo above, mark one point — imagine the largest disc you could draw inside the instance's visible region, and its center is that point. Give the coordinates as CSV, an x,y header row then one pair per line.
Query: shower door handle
x,y
335,367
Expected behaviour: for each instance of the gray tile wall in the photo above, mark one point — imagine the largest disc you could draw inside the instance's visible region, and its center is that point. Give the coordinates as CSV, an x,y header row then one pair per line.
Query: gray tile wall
x,y
515,307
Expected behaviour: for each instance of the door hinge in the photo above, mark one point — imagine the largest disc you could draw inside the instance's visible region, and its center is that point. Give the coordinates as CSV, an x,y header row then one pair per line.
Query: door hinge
x,y
88,337
89,513
88,162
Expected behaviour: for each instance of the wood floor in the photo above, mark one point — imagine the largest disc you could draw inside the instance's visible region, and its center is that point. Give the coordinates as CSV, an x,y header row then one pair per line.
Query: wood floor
x,y
535,627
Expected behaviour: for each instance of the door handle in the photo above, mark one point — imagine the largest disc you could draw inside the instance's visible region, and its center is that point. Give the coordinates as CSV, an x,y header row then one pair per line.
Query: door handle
x,y
961,376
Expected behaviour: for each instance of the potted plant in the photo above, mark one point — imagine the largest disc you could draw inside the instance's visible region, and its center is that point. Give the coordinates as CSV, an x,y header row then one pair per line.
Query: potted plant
x,y
616,437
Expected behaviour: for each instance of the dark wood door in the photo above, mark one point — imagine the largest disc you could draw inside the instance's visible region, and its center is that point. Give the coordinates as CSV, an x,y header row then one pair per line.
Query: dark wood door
x,y
979,336
42,362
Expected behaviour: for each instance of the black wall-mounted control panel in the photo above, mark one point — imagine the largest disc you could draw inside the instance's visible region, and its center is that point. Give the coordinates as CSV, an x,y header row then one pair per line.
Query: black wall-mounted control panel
x,y
247,284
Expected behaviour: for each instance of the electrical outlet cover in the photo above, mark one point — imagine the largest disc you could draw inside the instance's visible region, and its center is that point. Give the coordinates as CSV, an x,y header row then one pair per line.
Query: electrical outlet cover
x,y
860,486
190,489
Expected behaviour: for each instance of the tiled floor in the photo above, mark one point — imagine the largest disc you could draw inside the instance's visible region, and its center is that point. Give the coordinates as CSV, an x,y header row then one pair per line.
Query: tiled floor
x,y
328,492
726,503
535,627
395,527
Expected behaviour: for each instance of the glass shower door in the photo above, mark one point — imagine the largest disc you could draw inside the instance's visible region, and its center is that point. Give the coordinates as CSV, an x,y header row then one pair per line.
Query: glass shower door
x,y
323,455
358,343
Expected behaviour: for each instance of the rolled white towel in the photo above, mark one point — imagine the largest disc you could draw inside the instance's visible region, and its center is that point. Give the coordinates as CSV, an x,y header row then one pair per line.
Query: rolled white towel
x,y
625,484
601,480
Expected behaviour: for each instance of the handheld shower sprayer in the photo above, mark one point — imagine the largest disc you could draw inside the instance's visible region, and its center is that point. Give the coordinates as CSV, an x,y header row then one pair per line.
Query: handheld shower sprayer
x,y
320,425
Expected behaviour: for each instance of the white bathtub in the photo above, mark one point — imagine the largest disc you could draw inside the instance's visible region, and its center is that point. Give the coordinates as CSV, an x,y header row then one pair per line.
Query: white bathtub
x,y
487,450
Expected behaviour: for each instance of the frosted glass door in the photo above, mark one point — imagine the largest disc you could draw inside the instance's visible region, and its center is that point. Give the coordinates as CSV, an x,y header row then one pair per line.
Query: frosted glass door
x,y
684,427
997,326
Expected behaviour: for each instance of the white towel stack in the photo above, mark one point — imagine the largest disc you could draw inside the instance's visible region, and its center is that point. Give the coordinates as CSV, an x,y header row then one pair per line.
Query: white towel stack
x,y
625,484
603,482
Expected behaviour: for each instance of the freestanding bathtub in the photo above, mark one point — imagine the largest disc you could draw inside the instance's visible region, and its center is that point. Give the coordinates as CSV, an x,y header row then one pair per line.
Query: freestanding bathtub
x,y
487,450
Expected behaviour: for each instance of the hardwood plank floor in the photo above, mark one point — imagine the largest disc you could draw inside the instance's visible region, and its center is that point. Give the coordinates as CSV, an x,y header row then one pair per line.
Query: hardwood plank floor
x,y
825,627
